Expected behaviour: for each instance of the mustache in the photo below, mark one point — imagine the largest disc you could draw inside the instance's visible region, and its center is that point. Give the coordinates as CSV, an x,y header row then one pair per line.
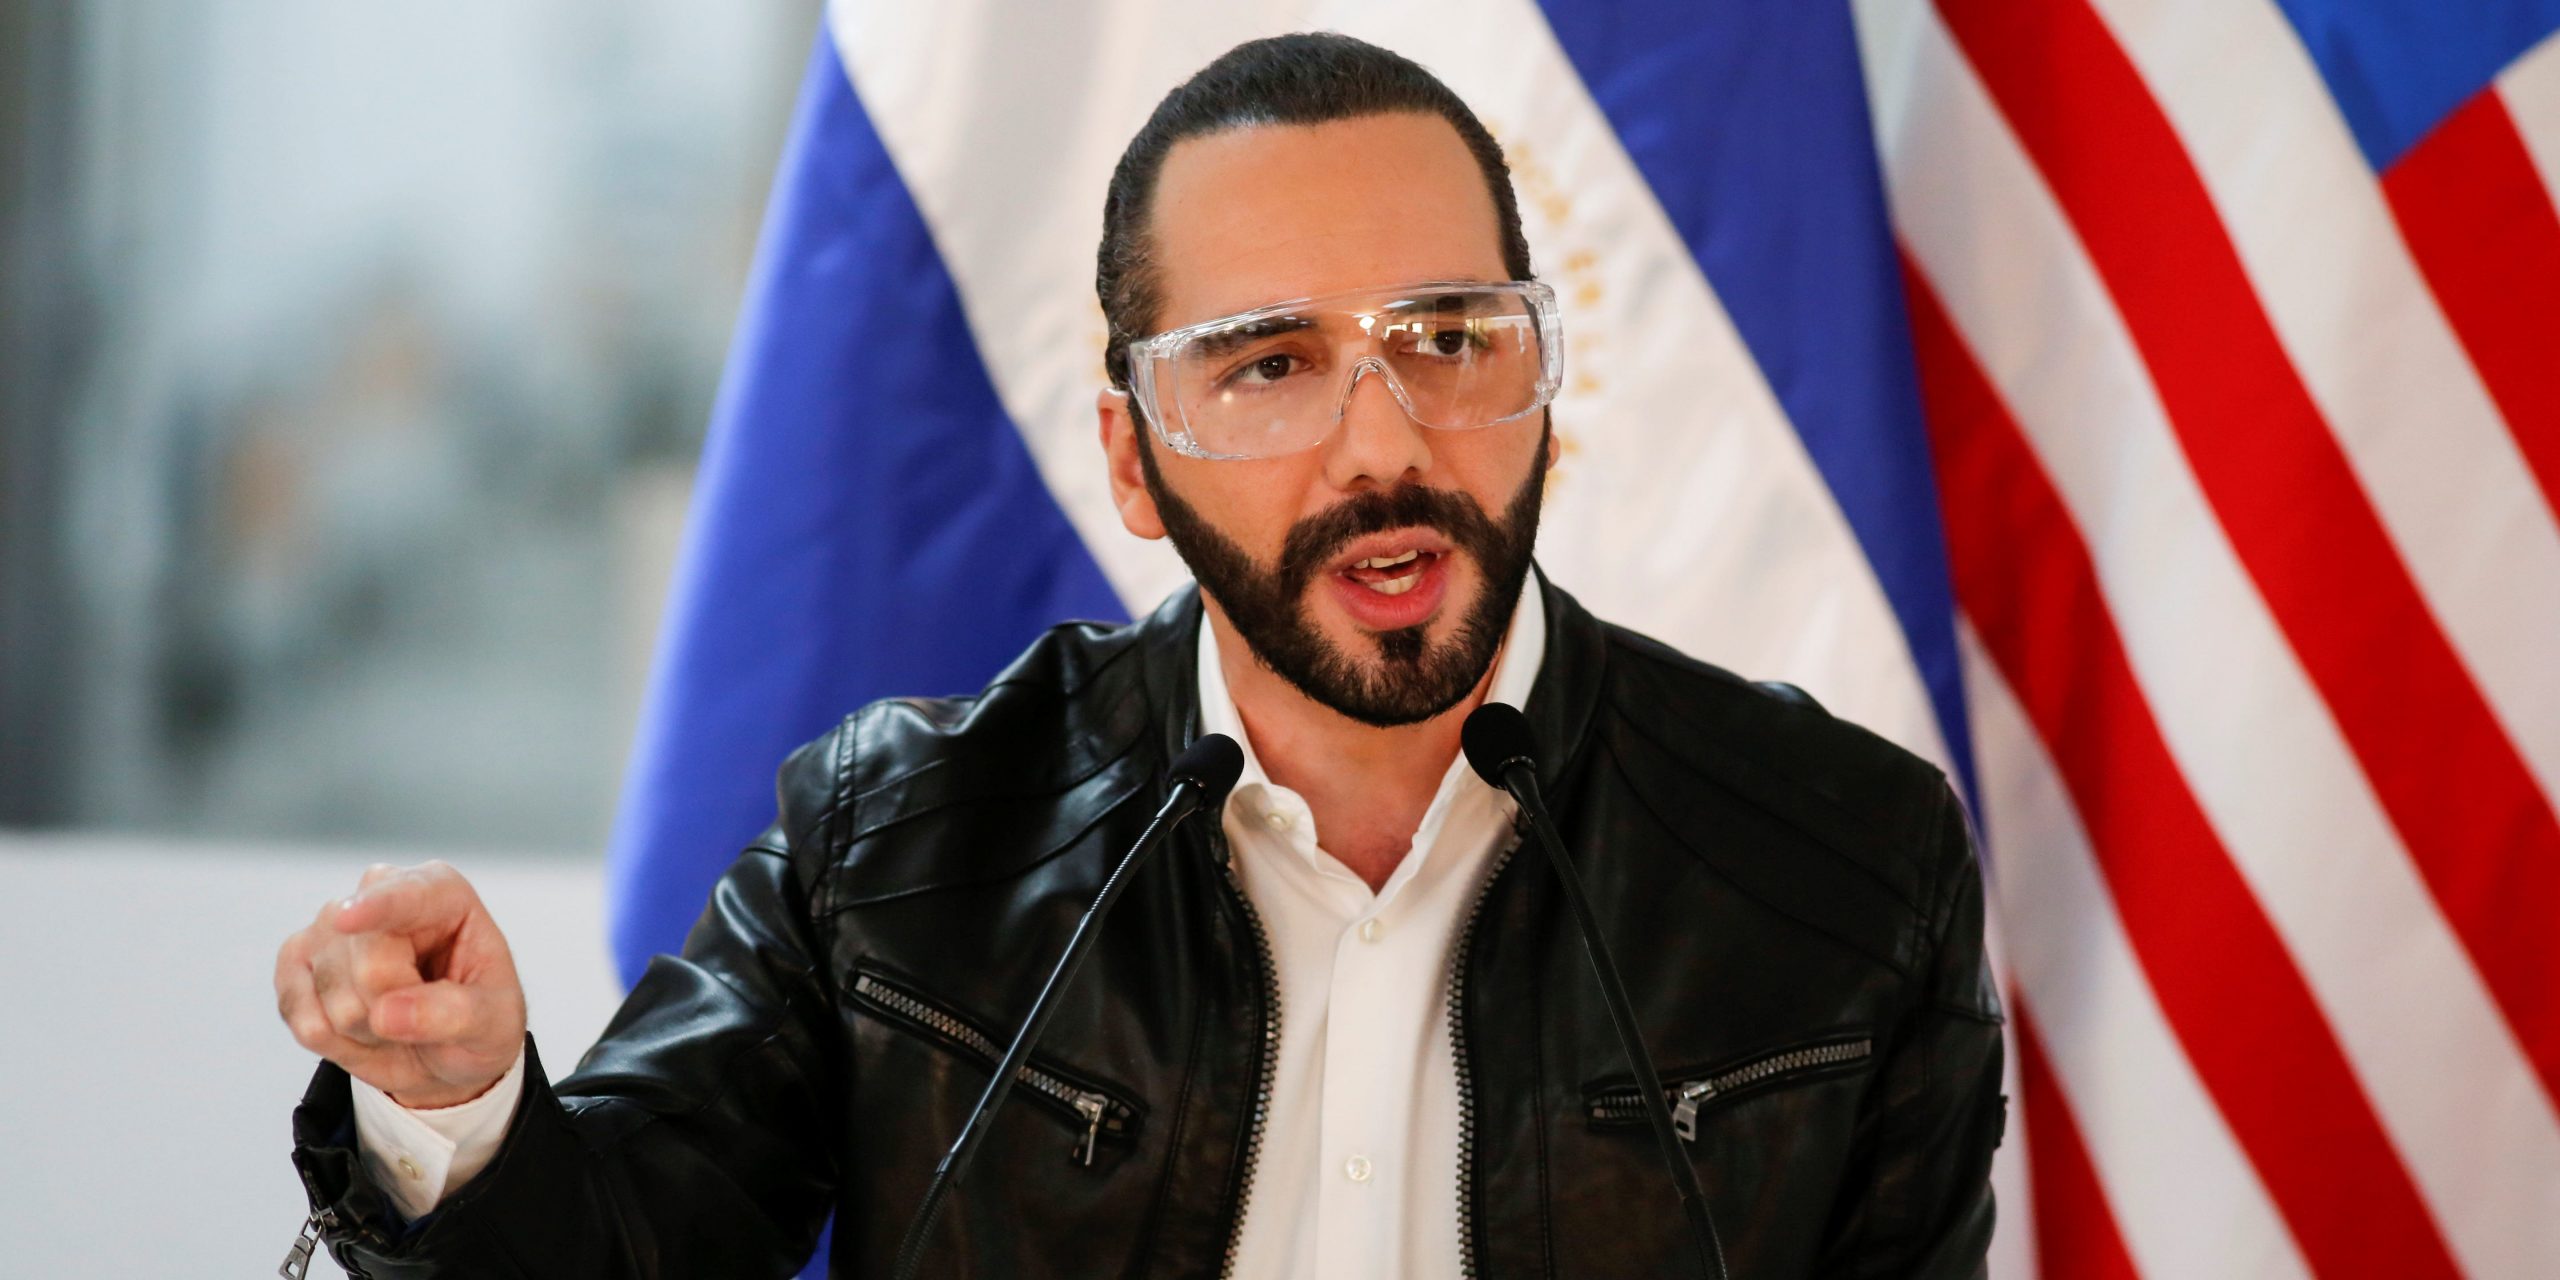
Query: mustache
x,y
1320,537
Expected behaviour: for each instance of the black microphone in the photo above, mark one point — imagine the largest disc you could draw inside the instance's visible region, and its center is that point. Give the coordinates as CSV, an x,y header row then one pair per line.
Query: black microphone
x,y
1202,775
1503,752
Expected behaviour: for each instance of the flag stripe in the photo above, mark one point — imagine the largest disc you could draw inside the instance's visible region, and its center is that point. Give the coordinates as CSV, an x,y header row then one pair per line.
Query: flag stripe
x,y
2246,728
2073,1225
2312,545
2024,577
1731,113
2397,67
2481,225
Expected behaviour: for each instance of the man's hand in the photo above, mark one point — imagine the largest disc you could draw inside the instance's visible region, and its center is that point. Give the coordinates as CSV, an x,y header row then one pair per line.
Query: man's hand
x,y
408,985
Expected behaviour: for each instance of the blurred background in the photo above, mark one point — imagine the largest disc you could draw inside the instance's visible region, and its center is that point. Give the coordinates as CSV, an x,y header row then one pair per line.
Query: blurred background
x,y
354,360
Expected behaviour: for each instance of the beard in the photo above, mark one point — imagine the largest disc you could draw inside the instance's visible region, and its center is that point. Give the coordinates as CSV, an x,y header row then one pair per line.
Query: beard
x,y
1410,678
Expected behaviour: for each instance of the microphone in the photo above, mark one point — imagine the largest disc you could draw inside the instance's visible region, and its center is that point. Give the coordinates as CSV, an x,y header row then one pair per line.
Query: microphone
x,y
1202,775
1503,752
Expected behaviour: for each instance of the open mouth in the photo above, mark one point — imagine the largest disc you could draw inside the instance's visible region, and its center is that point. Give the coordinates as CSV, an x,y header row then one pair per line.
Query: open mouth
x,y
1391,581
1393,575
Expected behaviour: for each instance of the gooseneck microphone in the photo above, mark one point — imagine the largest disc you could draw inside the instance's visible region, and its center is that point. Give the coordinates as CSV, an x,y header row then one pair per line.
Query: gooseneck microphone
x,y
1502,751
1202,775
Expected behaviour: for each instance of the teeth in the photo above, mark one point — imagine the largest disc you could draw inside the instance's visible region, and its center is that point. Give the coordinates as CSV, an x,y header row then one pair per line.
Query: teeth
x,y
1386,562
1398,585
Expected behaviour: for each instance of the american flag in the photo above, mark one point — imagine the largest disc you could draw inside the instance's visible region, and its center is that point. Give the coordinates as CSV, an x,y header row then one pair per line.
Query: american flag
x,y
2221,566
2238,325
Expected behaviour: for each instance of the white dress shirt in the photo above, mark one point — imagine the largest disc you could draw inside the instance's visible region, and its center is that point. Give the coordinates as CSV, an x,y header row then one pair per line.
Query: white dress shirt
x,y
1358,1172
1358,1177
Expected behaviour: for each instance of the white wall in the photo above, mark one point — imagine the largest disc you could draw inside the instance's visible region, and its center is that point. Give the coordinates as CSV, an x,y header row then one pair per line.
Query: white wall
x,y
146,1084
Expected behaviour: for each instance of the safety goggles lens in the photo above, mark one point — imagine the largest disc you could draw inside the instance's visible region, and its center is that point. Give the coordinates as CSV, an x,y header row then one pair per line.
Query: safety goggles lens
x,y
1275,380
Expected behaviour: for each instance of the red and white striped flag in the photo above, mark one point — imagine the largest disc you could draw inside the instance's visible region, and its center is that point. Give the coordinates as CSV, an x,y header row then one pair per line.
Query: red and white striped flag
x,y
2238,324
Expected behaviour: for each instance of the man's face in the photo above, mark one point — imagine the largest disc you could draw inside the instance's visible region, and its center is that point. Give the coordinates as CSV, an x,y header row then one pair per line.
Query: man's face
x,y
1305,554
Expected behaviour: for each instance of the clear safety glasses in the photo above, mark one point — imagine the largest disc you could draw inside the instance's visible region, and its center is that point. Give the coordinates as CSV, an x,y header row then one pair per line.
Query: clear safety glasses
x,y
1274,380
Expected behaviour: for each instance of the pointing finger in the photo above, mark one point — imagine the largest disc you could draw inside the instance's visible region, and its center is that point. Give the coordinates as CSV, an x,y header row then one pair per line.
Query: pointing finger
x,y
429,900
327,916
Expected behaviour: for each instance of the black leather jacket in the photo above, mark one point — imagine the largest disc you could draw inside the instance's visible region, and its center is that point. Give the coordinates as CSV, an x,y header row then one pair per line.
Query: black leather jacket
x,y
1794,904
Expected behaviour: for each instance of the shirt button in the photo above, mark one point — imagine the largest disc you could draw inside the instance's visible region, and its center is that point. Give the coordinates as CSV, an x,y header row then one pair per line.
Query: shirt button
x,y
1357,1169
1371,930
1278,821
409,1169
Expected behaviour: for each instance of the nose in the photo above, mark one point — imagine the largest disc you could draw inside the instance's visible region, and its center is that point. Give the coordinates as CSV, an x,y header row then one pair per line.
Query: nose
x,y
1378,444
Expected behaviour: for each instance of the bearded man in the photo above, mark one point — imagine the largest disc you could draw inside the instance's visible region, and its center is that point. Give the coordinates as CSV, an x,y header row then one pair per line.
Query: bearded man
x,y
1343,1031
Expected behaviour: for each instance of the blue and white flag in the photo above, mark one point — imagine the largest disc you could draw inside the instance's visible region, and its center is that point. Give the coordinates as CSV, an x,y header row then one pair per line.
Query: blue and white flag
x,y
2229,526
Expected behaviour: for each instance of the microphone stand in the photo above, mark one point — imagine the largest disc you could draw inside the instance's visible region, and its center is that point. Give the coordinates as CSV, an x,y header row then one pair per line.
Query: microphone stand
x,y
1201,777
1504,745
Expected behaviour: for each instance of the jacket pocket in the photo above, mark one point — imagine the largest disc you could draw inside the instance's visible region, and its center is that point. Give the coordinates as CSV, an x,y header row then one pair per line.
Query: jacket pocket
x,y
1097,1113
1690,1090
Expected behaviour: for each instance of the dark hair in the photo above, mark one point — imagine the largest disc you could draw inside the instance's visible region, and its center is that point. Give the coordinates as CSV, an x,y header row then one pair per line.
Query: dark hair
x,y
1306,78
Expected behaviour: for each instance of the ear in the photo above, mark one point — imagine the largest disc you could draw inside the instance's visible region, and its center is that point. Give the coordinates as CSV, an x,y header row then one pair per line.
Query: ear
x,y
1120,446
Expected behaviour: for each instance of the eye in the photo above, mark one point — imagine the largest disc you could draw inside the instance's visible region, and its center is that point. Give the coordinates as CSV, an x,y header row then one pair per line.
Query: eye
x,y
1449,342
1262,371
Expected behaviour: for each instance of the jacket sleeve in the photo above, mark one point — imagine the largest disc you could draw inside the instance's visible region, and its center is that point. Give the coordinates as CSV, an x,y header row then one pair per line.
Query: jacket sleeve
x,y
1918,1201
696,1138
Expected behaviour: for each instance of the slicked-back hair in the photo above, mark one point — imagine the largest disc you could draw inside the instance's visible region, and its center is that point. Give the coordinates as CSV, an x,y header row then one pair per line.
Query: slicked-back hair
x,y
1306,78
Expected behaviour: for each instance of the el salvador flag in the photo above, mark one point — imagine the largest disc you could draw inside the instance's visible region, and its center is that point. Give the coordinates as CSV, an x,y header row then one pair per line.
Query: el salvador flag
x,y
902,485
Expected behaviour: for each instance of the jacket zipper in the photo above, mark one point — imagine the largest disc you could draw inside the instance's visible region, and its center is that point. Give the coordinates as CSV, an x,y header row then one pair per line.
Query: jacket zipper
x,y
1458,1052
297,1261
1270,1050
1686,1096
324,1219
1100,1112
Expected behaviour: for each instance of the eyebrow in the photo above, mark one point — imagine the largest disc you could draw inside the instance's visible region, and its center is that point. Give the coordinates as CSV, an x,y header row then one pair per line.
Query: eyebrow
x,y
1446,302
1221,341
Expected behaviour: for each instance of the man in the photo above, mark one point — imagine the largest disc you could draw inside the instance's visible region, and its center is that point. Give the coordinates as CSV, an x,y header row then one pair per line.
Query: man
x,y
1342,1032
